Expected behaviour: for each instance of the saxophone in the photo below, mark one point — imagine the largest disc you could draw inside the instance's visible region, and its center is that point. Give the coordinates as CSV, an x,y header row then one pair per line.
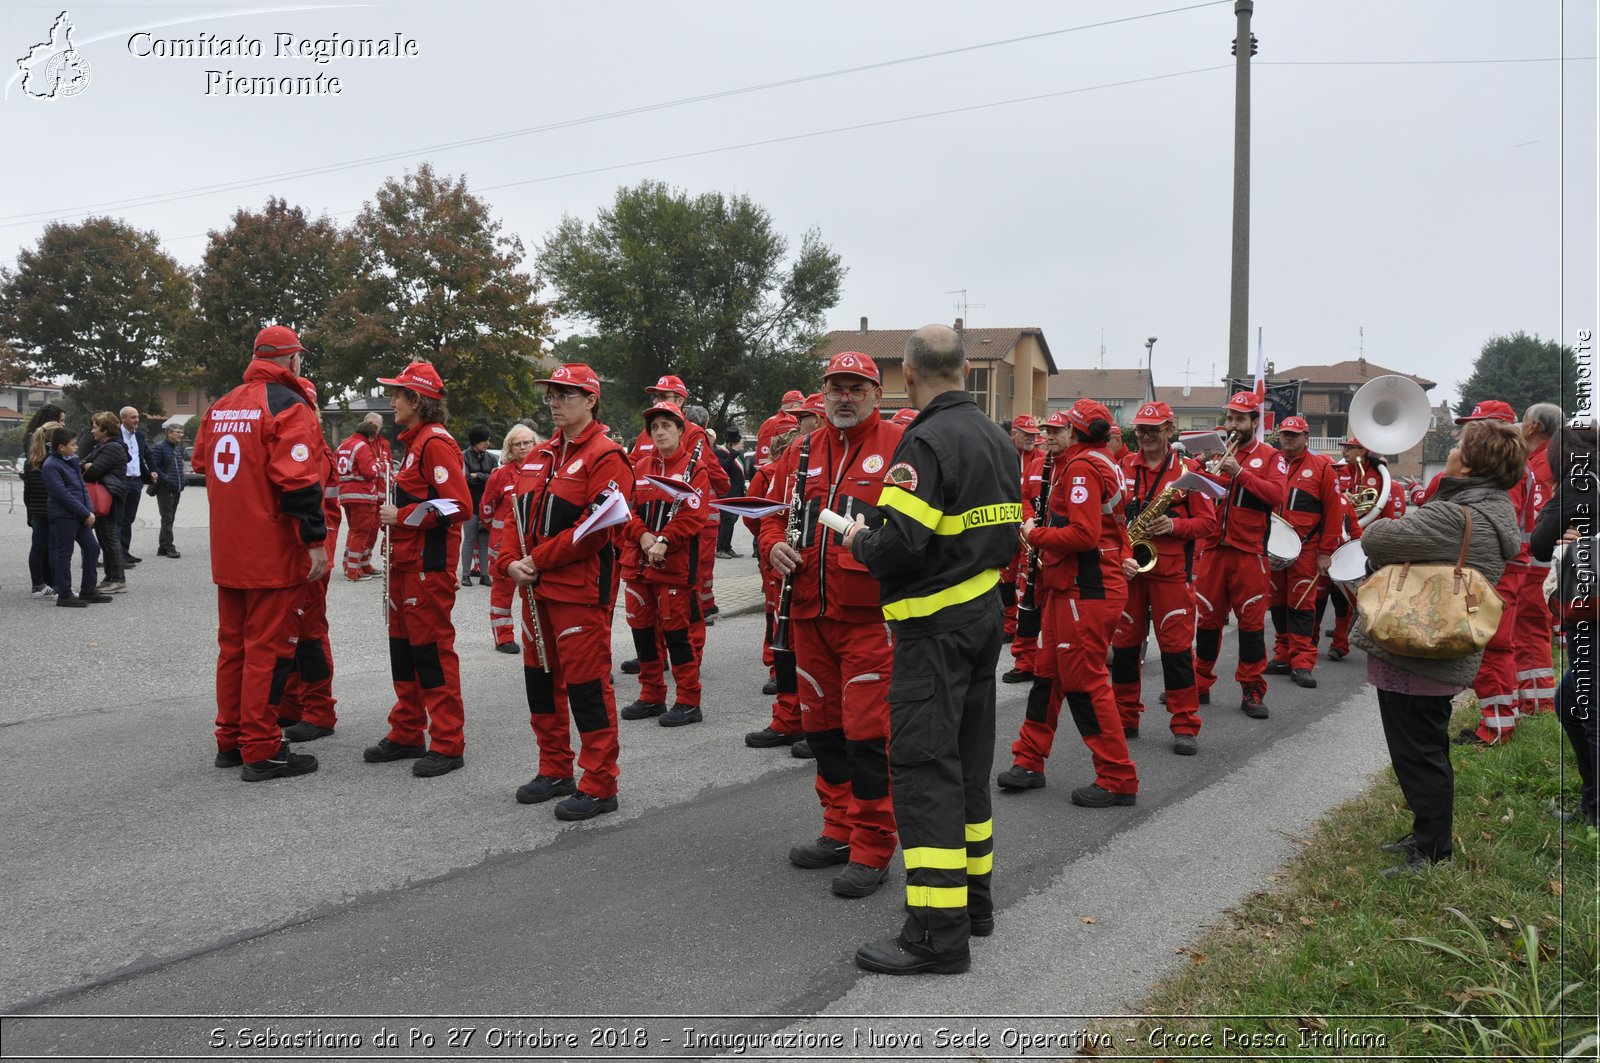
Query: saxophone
x,y
1139,539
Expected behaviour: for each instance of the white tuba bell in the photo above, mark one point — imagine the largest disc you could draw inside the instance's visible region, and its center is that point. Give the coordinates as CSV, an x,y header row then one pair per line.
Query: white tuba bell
x,y
1390,415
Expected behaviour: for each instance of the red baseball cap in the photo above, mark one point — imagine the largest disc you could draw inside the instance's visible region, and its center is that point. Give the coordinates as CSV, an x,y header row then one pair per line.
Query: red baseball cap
x,y
1293,423
1490,410
1026,423
420,377
669,383
1352,441
1153,413
275,341
574,375
814,405
791,401
1057,420
853,363
906,416
1085,412
1245,402
670,409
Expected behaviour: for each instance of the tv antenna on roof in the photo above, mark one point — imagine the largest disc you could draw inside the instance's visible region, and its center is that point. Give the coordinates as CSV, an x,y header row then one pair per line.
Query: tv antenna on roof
x,y
963,307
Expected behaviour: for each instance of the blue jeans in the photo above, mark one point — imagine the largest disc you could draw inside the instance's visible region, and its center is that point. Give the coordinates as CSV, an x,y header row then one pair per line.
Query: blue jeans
x,y
64,531
1576,708
39,554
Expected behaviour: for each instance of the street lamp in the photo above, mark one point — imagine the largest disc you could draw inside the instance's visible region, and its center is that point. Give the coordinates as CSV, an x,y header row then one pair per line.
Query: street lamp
x,y
1149,373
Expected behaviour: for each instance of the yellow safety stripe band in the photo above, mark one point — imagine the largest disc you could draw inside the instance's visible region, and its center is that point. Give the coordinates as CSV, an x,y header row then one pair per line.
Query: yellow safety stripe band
x,y
936,896
977,832
965,591
927,856
903,501
980,865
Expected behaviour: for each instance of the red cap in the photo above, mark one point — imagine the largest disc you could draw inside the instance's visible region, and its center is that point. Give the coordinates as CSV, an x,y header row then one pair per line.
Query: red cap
x,y
791,401
1026,423
1085,412
669,383
906,416
813,404
1353,442
853,363
1116,429
1057,420
1156,413
1245,402
784,422
574,375
275,341
1490,410
670,409
1293,423
420,377
308,389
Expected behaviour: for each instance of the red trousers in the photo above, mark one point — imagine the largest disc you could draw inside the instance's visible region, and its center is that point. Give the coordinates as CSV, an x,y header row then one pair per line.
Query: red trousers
x,y
1294,611
786,706
1536,680
659,616
1073,636
1023,650
1231,580
707,545
843,671
423,664
363,520
1168,605
256,633
576,691
501,591
308,695
1496,681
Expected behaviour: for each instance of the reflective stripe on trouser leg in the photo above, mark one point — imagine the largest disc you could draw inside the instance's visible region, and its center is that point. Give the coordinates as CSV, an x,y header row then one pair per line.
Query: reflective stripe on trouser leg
x,y
433,697
786,706
1172,607
1531,643
581,636
1087,690
1133,623
1496,681
639,609
677,639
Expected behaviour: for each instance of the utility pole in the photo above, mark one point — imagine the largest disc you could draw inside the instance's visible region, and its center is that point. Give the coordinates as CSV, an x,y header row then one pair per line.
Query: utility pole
x,y
1244,46
1149,369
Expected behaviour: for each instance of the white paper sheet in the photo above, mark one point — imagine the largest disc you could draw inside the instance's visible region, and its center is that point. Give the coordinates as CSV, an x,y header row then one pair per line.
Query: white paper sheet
x,y
444,506
611,512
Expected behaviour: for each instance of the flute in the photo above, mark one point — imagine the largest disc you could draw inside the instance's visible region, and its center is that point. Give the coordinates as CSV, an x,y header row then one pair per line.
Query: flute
x,y
527,592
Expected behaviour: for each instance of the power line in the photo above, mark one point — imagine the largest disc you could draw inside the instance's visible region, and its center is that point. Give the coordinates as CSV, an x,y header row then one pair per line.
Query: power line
x,y
33,217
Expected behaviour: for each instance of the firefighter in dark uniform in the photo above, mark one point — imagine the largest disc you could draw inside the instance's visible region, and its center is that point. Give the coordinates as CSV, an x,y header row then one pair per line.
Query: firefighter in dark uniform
x,y
951,505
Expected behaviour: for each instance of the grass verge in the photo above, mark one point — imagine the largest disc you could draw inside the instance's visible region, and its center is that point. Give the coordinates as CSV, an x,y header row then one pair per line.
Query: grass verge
x,y
1494,955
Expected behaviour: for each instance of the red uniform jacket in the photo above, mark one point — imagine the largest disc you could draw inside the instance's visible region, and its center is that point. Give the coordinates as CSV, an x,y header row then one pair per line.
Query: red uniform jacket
x,y
769,429
1244,514
356,462
761,487
432,469
692,434
650,508
1194,517
844,473
495,509
1084,537
1313,502
559,485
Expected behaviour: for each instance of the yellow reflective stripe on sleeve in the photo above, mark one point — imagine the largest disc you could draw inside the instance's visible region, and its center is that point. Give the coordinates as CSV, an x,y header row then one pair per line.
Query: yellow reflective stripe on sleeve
x,y
980,865
927,856
965,591
977,832
980,517
902,501
936,896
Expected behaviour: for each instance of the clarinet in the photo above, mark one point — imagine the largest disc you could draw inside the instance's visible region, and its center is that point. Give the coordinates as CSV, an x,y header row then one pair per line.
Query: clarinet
x,y
791,535
1027,606
688,474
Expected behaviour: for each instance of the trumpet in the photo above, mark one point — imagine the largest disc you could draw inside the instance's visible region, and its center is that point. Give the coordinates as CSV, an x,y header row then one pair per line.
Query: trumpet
x,y
1215,463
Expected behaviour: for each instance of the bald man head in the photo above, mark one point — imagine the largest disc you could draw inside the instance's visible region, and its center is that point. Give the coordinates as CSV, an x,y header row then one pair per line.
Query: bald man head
x,y
935,355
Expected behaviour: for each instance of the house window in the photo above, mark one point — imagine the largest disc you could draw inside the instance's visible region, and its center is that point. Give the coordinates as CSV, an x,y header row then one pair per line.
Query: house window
x,y
181,399
978,384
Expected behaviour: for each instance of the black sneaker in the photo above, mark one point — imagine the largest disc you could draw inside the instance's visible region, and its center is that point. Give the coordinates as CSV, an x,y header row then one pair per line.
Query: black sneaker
x,y
282,766
1276,667
543,788
96,598
767,738
486,581
679,715
1337,654
1468,737
1252,706
801,750
1130,732
1096,796
1017,777
434,763
129,559
642,710
1400,845
71,602
770,687
824,852
858,880
1415,863
507,647
305,732
630,666
1017,675
1303,678
382,751
1185,745
229,758
713,611
584,806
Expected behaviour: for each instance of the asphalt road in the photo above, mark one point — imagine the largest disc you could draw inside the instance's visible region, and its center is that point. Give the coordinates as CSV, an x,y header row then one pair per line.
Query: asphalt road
x,y
142,880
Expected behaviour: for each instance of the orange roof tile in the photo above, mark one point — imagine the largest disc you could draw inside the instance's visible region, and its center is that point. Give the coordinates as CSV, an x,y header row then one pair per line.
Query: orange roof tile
x,y
1351,371
889,345
1098,384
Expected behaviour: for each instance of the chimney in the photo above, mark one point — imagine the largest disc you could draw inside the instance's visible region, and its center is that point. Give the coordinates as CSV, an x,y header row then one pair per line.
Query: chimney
x,y
960,324
863,326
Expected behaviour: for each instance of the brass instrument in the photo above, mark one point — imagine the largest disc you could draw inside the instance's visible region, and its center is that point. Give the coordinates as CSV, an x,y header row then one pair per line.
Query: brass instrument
x,y
1365,497
791,535
1234,440
1140,540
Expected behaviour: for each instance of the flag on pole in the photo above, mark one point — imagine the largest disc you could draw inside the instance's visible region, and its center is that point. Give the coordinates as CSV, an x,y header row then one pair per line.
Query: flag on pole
x,y
1264,425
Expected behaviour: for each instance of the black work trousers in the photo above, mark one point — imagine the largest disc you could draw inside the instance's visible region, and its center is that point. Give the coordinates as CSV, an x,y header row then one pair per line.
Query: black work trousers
x,y
1417,729
941,752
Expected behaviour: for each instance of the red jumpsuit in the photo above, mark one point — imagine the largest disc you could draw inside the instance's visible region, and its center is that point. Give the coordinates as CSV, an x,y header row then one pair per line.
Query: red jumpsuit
x,y
1233,574
361,491
1496,683
660,603
1162,597
1312,503
1014,577
1342,601
707,544
308,695
1536,680
263,457
786,705
1082,544
495,513
842,648
422,593
557,487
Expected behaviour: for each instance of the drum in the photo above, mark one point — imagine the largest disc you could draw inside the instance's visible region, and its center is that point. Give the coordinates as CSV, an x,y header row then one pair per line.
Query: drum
x,y
1348,566
1283,544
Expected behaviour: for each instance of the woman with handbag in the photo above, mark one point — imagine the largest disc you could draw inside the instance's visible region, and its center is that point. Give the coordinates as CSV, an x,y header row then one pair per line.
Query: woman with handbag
x,y
104,465
1569,515
1470,507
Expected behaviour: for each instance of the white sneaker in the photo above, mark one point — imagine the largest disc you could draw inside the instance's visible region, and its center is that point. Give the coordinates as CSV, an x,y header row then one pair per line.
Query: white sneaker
x,y
42,592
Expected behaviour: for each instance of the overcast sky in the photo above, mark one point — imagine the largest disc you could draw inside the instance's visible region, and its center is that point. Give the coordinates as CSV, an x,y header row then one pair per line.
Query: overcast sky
x,y
1419,201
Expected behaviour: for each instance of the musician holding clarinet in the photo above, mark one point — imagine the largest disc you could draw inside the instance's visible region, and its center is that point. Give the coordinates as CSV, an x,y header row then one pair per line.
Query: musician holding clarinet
x,y
567,590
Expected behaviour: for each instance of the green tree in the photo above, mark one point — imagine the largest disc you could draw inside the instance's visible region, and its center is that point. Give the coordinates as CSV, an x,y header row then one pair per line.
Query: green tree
x,y
437,281
269,267
101,303
1521,370
696,286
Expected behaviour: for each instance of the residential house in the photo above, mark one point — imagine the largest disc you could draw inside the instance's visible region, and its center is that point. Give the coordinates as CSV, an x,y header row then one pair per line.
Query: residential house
x,y
1122,391
1194,409
1325,396
19,401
